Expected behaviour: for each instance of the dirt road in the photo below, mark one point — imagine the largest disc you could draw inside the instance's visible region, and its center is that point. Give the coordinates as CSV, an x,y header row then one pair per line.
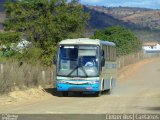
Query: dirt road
x,y
138,91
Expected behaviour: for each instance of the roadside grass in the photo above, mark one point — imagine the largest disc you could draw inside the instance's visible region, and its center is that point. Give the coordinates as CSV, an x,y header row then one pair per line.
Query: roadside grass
x,y
15,75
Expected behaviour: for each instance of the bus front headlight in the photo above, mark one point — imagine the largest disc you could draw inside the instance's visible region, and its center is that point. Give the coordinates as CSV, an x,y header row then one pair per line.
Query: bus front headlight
x,y
61,81
94,82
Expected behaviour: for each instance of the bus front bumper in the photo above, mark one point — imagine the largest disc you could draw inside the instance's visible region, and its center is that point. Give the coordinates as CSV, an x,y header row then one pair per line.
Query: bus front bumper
x,y
78,87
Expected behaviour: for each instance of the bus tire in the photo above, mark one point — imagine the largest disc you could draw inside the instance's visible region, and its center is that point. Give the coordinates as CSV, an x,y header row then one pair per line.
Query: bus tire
x,y
98,94
64,94
109,91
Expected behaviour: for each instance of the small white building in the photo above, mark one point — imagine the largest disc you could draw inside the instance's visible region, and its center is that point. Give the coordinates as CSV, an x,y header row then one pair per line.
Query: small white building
x,y
151,47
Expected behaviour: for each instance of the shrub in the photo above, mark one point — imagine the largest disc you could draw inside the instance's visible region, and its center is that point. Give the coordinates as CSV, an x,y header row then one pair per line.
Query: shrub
x,y
124,39
9,37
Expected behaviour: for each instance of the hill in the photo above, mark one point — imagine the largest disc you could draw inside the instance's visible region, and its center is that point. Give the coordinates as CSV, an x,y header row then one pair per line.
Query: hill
x,y
134,18
100,19
145,23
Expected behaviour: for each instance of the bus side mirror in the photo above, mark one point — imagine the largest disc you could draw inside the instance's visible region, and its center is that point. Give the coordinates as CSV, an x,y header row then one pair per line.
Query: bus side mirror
x,y
103,59
55,59
102,62
102,53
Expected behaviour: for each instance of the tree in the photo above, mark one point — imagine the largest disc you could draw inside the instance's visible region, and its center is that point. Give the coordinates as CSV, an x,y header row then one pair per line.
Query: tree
x,y
46,22
124,39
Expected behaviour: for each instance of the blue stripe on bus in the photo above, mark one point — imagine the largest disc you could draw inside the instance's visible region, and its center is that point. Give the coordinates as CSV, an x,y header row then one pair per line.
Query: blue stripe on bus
x,y
72,87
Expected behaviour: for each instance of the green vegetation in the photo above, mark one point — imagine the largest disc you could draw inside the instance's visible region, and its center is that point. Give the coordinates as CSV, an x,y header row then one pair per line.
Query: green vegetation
x,y
6,38
46,22
124,38
9,37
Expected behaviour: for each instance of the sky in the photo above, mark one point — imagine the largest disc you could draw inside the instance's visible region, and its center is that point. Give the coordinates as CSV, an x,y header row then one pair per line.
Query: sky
x,y
153,4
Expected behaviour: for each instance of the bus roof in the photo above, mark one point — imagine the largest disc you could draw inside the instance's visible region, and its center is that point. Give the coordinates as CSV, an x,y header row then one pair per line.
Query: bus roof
x,y
86,41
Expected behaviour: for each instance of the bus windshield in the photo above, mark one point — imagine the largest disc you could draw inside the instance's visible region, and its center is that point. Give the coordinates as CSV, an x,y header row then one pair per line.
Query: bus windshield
x,y
78,61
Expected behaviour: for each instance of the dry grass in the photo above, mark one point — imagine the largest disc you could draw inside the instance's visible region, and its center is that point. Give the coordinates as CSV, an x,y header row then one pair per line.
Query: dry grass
x,y
15,76
125,63
134,58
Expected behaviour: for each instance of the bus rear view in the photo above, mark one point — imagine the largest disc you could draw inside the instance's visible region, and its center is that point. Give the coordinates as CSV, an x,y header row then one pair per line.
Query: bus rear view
x,y
79,66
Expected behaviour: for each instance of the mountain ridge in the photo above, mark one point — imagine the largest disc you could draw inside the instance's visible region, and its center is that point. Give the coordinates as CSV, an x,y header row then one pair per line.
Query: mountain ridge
x,y
134,18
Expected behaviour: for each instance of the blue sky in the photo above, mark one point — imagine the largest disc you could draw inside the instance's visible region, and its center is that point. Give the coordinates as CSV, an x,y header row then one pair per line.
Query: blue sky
x,y
154,4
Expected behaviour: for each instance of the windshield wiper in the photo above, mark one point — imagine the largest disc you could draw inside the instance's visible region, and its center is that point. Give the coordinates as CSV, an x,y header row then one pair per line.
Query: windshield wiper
x,y
72,71
79,65
86,75
84,71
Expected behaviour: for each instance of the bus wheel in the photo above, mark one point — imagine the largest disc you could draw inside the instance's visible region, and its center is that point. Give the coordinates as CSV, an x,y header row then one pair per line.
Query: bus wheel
x,y
109,91
105,92
98,94
64,94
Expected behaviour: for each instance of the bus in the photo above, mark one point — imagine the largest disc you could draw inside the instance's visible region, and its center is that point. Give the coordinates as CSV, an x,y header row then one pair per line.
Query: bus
x,y
85,65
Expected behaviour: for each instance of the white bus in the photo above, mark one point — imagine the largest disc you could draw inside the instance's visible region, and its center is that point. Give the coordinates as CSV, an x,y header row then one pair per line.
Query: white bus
x,y
85,65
